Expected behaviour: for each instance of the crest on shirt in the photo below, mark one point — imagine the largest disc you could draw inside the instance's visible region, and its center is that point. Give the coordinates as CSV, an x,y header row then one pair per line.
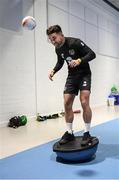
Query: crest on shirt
x,y
71,51
69,59
62,55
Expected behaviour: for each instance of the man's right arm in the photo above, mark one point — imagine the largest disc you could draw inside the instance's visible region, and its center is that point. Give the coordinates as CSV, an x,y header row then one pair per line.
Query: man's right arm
x,y
59,64
57,67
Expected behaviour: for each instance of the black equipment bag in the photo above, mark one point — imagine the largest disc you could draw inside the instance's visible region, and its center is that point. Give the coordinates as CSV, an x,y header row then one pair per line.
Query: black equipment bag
x,y
14,122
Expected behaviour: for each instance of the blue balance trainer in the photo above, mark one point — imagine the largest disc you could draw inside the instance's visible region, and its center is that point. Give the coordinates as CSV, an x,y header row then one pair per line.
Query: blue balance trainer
x,y
73,151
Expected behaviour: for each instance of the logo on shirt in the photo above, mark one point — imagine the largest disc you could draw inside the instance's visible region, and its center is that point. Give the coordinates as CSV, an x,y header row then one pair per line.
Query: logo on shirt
x,y
62,55
71,52
82,43
84,83
69,59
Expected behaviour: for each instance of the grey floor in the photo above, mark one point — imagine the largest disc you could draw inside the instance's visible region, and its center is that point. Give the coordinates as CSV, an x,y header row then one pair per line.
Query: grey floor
x,y
36,133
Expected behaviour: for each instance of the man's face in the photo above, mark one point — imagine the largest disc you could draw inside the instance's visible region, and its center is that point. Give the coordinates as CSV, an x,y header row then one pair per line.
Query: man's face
x,y
57,39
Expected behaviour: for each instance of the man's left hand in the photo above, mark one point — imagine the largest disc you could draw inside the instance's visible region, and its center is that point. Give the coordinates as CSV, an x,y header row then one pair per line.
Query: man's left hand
x,y
74,63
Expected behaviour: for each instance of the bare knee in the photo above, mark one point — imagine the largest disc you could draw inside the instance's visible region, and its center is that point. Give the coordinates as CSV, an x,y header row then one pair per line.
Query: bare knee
x,y
67,105
83,103
84,99
68,101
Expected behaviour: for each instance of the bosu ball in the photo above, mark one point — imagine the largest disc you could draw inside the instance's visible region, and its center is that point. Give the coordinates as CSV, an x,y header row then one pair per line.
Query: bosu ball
x,y
73,151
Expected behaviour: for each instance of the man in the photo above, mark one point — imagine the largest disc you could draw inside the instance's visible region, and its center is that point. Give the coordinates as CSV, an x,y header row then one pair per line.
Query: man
x,y
77,55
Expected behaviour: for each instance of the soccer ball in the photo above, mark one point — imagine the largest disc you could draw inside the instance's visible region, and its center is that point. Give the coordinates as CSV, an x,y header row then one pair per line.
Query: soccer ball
x,y
29,23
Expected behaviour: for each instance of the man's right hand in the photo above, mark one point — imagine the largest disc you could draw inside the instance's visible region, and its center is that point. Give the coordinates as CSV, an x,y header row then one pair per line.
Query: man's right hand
x,y
51,74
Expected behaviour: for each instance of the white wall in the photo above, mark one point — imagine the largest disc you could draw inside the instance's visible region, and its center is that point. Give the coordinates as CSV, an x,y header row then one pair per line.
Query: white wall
x,y
17,83
98,27
26,57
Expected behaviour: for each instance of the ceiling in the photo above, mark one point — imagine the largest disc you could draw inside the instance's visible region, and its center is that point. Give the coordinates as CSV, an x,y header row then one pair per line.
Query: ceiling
x,y
113,3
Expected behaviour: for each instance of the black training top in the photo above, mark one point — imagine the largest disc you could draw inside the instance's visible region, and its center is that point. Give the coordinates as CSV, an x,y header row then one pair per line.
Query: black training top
x,y
73,49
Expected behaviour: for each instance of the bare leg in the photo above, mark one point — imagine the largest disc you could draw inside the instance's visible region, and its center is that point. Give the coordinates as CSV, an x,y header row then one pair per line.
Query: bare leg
x,y
69,116
87,115
68,102
84,98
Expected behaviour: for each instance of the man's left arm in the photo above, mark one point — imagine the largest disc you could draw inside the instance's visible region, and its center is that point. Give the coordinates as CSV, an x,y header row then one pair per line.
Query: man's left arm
x,y
87,54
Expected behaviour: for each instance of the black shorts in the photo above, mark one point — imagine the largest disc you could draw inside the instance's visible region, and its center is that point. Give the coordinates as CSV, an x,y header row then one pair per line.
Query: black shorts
x,y
76,83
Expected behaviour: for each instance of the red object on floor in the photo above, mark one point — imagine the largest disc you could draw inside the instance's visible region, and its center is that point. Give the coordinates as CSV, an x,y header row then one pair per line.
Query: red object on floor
x,y
77,111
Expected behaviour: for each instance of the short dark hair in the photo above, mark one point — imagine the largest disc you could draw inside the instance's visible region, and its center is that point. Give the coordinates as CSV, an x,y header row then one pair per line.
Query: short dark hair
x,y
53,29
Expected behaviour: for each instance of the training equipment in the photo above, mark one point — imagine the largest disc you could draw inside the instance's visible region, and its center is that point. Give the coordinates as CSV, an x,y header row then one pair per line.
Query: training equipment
x,y
14,122
23,120
52,116
77,111
114,89
110,100
29,22
113,98
74,152
17,121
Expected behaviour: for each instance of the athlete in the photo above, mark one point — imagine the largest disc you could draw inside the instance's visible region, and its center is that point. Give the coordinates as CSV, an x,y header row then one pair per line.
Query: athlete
x,y
77,55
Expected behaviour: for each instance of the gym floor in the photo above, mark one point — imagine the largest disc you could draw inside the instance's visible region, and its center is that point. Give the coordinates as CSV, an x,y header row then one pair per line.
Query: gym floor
x,y
36,133
26,152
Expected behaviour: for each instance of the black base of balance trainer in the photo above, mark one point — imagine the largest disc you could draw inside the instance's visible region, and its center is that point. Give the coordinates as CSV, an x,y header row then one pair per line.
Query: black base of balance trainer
x,y
75,152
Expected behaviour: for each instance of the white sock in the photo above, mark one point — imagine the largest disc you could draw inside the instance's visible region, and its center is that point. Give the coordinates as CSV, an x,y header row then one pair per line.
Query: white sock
x,y
87,127
69,127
